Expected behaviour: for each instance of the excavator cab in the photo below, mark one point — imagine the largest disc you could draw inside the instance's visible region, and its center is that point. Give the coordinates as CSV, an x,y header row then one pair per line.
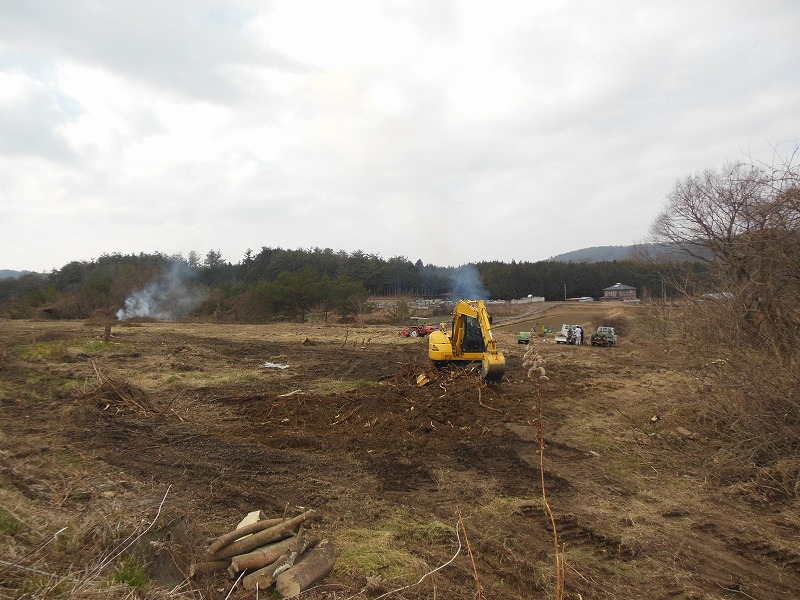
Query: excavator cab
x,y
473,336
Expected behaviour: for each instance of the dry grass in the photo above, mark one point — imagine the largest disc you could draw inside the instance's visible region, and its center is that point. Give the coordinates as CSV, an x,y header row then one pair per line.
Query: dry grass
x,y
52,550
744,394
626,512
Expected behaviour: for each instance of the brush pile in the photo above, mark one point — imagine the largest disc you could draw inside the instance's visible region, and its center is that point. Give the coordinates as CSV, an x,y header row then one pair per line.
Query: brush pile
x,y
262,552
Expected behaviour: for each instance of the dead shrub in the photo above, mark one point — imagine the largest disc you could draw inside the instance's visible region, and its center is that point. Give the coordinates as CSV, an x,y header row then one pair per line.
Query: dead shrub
x,y
747,397
619,322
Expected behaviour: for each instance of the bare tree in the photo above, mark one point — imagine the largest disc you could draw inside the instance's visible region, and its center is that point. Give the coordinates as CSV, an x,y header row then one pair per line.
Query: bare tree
x,y
744,222
741,336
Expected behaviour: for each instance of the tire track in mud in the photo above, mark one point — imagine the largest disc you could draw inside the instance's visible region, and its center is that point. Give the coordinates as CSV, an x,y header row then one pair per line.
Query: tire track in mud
x,y
751,548
733,563
572,533
713,560
215,465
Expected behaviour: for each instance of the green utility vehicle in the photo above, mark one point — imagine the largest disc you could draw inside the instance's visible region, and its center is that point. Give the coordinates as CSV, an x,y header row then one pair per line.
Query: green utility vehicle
x,y
604,336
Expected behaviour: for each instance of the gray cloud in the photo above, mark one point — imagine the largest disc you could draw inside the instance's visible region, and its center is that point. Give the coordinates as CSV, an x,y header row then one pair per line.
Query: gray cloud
x,y
192,48
31,125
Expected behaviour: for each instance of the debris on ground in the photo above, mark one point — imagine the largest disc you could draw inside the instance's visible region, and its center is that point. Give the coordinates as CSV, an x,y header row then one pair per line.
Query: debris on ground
x,y
683,432
272,365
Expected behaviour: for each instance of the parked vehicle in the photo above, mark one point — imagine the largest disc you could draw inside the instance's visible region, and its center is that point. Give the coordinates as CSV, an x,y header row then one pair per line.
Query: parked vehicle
x,y
604,336
419,330
524,337
565,335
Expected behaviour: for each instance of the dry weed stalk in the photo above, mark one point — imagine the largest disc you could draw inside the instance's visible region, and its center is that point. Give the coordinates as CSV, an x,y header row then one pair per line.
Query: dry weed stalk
x,y
471,556
536,373
16,563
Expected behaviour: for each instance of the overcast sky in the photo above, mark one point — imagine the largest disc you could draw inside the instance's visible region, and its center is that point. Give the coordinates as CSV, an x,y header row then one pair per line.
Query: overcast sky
x,y
447,131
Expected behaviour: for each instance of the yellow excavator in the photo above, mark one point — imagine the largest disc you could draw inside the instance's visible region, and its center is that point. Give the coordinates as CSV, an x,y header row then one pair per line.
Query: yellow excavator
x,y
470,340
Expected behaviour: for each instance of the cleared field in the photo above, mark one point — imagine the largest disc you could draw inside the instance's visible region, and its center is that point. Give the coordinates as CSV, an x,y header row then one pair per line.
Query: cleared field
x,y
182,427
588,315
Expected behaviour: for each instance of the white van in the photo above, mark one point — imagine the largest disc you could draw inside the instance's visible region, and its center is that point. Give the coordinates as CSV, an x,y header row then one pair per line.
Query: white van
x,y
563,336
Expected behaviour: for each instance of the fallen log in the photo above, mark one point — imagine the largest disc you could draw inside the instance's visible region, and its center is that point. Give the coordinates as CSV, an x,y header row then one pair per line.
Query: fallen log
x,y
262,538
312,567
208,567
266,555
265,576
236,534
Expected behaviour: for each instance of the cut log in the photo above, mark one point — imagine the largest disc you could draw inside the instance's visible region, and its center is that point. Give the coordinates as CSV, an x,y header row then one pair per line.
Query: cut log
x,y
262,538
208,567
265,576
311,568
309,543
241,532
266,555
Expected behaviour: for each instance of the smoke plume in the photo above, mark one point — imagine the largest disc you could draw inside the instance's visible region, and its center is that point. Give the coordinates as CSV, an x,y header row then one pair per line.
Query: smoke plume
x,y
167,298
466,283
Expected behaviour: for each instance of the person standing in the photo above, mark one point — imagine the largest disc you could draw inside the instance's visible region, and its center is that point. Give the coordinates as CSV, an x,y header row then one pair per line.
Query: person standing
x,y
578,335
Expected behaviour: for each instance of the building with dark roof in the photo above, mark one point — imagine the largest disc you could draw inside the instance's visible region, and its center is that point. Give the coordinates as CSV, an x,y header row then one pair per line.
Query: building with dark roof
x,y
619,291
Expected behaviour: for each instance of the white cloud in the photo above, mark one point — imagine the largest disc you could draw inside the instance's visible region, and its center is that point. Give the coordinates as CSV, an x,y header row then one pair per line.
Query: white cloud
x,y
446,131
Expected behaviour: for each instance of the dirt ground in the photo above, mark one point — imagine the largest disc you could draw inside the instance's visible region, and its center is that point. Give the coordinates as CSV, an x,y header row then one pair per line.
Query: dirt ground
x,y
179,429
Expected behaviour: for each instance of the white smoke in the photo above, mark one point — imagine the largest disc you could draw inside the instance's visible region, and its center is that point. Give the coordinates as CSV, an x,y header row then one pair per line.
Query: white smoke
x,y
466,283
167,298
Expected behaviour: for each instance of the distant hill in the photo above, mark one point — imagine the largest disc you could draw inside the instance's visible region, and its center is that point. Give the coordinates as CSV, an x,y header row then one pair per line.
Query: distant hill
x,y
9,274
611,253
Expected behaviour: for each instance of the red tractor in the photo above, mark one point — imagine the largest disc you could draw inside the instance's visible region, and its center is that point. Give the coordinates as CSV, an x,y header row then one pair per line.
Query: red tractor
x,y
419,330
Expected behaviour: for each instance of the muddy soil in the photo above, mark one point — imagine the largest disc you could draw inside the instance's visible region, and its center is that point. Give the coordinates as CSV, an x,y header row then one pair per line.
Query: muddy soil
x,y
191,411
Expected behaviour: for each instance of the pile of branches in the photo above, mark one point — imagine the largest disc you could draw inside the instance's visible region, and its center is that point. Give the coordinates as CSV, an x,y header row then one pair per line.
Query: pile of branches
x,y
271,551
119,394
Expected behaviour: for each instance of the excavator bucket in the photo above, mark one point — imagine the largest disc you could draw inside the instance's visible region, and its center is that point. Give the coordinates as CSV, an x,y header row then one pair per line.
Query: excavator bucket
x,y
493,366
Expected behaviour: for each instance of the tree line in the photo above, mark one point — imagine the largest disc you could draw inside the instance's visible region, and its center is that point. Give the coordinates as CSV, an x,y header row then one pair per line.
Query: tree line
x,y
279,283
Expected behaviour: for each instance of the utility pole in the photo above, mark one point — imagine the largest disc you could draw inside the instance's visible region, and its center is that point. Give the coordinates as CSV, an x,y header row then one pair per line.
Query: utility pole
x,y
565,291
